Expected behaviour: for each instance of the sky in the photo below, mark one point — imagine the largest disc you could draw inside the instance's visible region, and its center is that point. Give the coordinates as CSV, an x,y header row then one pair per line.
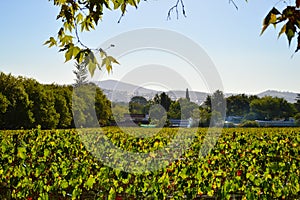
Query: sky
x,y
245,61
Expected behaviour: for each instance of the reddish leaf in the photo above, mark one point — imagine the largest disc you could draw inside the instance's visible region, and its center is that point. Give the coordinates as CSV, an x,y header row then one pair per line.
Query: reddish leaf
x,y
298,3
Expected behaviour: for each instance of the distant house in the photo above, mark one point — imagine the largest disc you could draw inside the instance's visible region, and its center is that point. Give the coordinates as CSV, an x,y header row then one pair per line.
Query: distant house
x,y
137,118
232,121
180,123
277,123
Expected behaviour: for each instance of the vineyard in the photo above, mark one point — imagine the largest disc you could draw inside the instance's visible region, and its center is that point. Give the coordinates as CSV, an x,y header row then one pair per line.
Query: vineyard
x,y
114,163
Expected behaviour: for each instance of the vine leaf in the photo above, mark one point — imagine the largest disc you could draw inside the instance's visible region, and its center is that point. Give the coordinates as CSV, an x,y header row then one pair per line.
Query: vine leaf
x,y
290,31
283,29
107,61
271,18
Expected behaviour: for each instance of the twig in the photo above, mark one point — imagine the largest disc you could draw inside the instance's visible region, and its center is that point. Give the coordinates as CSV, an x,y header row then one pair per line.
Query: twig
x,y
175,7
232,1
77,37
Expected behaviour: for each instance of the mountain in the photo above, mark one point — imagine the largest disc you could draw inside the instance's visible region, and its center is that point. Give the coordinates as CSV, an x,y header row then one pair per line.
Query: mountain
x,y
118,91
289,96
124,87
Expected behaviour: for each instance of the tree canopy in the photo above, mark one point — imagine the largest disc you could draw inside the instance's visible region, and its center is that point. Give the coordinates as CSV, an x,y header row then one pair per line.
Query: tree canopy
x,y
85,15
25,103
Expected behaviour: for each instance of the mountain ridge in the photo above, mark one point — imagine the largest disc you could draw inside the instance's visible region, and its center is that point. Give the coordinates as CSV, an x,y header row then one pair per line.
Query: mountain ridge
x,y
118,91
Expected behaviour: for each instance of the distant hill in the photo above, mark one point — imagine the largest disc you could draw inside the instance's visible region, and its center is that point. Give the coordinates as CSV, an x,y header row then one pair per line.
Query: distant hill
x,y
118,91
121,86
289,96
122,92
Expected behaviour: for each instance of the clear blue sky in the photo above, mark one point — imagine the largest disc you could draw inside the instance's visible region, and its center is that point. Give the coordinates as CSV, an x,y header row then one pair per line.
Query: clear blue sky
x,y
246,62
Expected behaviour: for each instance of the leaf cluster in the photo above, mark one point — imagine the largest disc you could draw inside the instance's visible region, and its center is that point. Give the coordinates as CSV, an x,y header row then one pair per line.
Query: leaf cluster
x,y
290,18
84,16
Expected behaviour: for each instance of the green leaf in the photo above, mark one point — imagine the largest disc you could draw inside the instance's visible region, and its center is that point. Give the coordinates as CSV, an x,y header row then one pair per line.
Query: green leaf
x,y
64,184
283,29
46,152
211,193
22,152
66,40
69,54
79,18
112,194
90,182
51,42
271,18
92,67
123,8
112,59
117,4
290,31
80,56
133,3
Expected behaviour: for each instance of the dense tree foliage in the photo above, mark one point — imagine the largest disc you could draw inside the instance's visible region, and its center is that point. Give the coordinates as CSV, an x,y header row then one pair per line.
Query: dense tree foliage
x,y
239,105
163,99
297,103
138,105
119,110
25,103
216,102
270,108
265,108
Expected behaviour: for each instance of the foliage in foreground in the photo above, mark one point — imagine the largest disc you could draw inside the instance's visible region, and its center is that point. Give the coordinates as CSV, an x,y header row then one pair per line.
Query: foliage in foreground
x,y
83,16
255,163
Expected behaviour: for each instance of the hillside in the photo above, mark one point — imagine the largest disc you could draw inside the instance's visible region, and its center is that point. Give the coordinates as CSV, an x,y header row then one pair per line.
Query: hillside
x,y
122,92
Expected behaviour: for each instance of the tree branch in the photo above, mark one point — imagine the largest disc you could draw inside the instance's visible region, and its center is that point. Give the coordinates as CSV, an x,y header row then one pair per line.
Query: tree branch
x,y
232,1
175,7
77,37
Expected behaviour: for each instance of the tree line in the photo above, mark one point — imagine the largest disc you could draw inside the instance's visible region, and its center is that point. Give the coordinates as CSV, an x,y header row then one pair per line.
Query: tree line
x,y
26,104
249,107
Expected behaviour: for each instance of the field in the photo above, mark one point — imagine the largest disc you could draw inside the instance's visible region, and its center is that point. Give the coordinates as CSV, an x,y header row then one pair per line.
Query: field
x,y
132,163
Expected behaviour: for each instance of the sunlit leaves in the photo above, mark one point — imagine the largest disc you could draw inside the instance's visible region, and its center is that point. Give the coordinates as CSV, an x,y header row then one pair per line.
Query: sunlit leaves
x,y
108,61
65,40
83,16
56,165
271,18
283,29
290,17
72,52
90,182
87,24
22,152
290,31
51,42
